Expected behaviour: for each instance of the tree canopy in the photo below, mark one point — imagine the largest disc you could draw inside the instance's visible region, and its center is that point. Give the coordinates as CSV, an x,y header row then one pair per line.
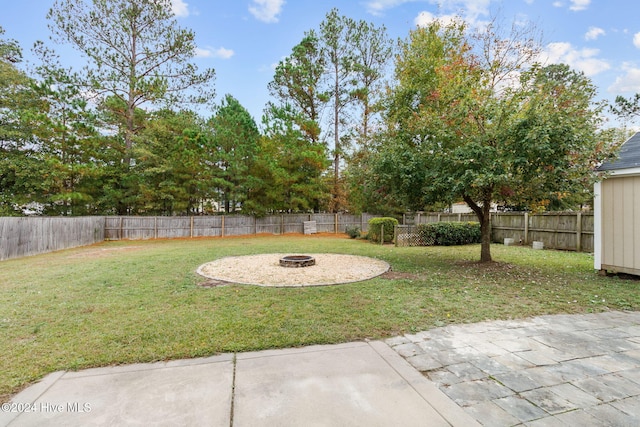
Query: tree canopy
x,y
466,114
137,54
473,117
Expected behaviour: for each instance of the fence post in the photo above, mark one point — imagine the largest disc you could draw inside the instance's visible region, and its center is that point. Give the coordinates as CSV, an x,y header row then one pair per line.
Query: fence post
x,y
335,227
395,234
492,238
526,228
155,227
222,229
557,230
191,228
579,232
121,225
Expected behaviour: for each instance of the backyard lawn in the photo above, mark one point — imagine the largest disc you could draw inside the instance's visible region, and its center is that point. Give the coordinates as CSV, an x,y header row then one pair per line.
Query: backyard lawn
x,y
140,301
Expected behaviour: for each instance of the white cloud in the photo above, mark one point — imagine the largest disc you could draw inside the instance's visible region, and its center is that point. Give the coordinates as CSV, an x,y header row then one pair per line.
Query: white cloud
x,y
424,18
627,83
469,10
636,40
584,60
223,53
266,10
594,33
180,8
376,7
577,5
220,52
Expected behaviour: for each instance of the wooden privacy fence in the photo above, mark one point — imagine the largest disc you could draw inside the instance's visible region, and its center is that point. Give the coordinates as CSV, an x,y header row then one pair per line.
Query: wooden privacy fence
x,y
136,227
557,230
23,236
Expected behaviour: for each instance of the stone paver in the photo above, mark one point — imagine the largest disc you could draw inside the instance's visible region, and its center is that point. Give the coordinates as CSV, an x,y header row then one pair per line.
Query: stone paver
x,y
545,371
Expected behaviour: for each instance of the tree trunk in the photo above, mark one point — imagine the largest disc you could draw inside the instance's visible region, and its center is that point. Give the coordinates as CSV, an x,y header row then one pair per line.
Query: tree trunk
x,y
485,229
336,139
484,218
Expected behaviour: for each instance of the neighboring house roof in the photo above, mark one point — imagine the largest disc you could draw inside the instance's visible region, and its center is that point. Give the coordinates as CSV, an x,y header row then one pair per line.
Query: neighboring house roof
x,y
628,156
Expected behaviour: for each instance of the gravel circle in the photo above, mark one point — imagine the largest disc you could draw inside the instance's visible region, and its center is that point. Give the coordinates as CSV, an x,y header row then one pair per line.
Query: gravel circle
x,y
265,270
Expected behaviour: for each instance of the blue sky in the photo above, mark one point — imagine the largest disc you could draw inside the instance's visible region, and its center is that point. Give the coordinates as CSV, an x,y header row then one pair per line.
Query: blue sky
x,y
243,40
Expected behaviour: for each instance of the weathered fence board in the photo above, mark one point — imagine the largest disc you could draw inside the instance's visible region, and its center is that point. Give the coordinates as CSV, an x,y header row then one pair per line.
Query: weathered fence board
x,y
310,227
23,236
207,226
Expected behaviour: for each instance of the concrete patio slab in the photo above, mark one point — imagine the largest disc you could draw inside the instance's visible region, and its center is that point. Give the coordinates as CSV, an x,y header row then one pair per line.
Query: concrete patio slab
x,y
190,392
350,384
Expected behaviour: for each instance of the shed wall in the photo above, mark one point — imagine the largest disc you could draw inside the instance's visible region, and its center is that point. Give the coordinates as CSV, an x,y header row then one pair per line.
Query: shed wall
x,y
621,224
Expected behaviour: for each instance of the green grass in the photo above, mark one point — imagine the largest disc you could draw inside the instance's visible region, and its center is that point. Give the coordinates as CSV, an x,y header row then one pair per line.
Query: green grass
x,y
124,302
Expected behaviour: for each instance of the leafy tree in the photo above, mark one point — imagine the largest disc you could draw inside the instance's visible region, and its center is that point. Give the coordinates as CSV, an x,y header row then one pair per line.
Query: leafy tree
x,y
296,87
234,146
137,54
18,161
556,143
340,68
66,137
385,179
372,50
172,176
337,34
15,96
120,187
474,118
628,109
290,167
292,153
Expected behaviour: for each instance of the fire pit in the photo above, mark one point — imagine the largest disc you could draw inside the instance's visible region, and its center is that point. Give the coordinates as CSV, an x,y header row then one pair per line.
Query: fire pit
x,y
296,261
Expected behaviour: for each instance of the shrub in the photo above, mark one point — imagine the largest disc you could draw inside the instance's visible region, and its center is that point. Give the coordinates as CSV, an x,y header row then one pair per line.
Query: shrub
x,y
376,225
352,231
450,233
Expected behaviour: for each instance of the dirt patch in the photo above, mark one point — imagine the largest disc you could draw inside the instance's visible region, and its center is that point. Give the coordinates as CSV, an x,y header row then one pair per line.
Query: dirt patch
x,y
104,252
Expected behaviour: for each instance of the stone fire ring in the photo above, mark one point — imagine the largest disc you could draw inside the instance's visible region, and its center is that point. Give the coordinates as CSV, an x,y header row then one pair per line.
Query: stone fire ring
x,y
265,270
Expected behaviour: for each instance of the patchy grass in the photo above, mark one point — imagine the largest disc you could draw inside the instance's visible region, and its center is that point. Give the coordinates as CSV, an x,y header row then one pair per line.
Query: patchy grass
x,y
125,302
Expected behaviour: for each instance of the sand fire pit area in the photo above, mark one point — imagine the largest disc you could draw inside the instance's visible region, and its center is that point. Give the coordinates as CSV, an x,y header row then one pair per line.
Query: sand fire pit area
x,y
267,270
